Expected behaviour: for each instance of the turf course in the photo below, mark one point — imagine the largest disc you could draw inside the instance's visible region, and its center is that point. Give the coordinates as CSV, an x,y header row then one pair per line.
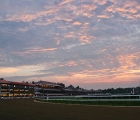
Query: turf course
x,y
27,109
103,102
90,100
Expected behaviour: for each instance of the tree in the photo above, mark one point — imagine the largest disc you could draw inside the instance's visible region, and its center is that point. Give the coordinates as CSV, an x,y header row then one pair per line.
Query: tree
x,y
63,85
77,87
33,82
71,86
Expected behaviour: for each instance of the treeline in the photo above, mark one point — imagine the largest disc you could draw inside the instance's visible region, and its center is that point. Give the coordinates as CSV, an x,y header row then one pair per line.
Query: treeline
x,y
130,90
133,90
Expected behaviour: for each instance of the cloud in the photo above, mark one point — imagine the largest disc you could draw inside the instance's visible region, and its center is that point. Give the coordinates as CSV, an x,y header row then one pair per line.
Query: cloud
x,y
102,16
28,17
20,71
101,2
65,2
7,70
76,23
35,50
77,42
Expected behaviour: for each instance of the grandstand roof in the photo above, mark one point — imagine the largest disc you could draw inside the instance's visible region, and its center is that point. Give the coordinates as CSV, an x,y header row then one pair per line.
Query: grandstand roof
x,y
2,81
48,83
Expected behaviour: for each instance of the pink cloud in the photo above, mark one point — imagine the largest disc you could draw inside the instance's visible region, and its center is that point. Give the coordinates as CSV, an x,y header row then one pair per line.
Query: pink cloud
x,y
101,2
77,23
35,50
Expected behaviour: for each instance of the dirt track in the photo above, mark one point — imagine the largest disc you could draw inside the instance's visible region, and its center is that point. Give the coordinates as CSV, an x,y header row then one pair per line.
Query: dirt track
x,y
28,109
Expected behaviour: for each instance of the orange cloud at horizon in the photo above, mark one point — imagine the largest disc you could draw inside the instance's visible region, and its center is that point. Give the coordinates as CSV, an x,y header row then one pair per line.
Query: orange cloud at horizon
x,y
8,70
79,78
20,70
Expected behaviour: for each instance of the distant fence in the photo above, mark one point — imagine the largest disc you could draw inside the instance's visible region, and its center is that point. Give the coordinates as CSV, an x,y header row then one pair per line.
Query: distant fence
x,y
119,100
95,97
14,97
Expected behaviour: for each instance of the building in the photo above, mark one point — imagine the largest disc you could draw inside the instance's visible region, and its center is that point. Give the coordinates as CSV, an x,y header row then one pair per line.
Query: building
x,y
24,89
38,89
44,88
15,89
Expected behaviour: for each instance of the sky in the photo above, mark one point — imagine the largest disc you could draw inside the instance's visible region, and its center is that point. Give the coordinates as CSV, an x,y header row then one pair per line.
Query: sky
x,y
94,44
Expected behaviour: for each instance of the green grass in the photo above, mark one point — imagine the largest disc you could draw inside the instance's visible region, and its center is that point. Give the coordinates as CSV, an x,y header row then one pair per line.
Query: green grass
x,y
27,109
90,102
